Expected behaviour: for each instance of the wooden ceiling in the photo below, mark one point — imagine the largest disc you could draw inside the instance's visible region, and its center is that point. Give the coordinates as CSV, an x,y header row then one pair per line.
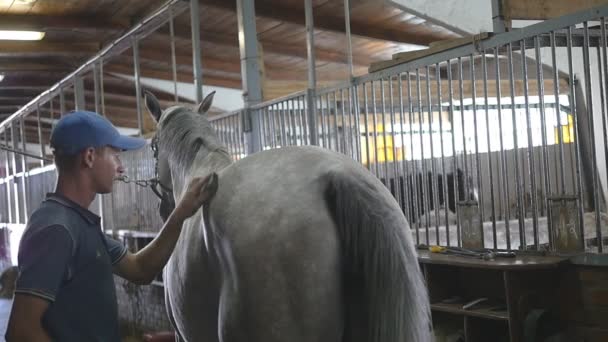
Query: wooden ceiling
x,y
77,29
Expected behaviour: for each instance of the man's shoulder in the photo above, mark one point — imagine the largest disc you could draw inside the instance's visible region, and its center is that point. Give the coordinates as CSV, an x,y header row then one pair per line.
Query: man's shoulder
x,y
52,215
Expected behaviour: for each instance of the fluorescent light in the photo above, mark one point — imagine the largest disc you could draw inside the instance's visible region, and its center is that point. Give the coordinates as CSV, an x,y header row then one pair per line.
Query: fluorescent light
x,y
21,35
24,2
1,77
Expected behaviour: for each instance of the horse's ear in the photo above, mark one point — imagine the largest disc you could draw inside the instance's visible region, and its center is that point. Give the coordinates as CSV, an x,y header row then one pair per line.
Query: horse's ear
x,y
153,105
204,106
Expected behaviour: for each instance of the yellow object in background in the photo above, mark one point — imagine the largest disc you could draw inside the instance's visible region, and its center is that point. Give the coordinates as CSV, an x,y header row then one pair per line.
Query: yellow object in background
x,y
436,249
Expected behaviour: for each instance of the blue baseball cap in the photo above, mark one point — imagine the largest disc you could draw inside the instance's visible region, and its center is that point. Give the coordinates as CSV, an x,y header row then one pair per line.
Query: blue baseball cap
x,y
80,130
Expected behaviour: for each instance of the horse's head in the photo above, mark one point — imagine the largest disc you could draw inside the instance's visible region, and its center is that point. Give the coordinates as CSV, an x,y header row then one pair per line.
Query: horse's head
x,y
180,133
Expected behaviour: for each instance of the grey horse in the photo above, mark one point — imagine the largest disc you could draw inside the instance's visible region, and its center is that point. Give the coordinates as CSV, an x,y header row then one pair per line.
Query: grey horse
x,y
299,244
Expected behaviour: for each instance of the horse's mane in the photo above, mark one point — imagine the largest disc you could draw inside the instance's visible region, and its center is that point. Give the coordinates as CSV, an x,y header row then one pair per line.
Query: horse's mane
x,y
183,133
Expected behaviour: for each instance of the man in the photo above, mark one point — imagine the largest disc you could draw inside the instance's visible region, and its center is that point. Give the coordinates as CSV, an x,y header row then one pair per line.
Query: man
x,y
65,290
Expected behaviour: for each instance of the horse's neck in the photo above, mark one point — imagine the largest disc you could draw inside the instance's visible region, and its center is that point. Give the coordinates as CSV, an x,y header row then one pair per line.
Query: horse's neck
x,y
204,164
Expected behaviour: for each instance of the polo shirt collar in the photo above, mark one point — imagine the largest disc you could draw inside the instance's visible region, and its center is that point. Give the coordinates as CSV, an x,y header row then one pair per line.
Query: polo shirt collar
x,y
88,215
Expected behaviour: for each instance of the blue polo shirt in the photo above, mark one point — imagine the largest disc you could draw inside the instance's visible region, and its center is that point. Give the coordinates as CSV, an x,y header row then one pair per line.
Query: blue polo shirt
x,y
65,258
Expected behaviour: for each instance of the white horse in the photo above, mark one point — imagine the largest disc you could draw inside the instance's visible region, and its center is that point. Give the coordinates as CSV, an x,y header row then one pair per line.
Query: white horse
x,y
299,244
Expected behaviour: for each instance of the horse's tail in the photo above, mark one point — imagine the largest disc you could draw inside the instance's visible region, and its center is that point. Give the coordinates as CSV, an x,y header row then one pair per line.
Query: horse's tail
x,y
380,260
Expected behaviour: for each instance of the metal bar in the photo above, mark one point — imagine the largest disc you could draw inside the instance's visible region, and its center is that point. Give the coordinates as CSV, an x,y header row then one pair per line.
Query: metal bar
x,y
20,152
357,118
197,69
333,113
455,160
25,182
273,128
292,118
323,115
498,17
416,215
7,166
588,90
522,235
545,164
350,113
61,103
557,116
480,191
503,158
444,179
96,88
312,116
281,114
384,128
578,177
342,108
397,193
101,90
424,182
531,166
366,122
604,128
262,118
302,108
137,71
310,44
173,58
404,183
467,188
433,183
42,147
349,44
484,66
375,127
79,101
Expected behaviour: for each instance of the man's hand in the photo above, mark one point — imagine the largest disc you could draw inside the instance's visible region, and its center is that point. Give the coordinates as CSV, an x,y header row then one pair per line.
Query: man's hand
x,y
198,192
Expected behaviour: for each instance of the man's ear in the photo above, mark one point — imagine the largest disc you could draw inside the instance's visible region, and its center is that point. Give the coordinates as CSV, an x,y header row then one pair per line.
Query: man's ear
x,y
88,157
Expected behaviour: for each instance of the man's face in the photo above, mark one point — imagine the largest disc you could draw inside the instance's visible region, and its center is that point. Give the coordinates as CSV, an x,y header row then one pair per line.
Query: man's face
x,y
105,168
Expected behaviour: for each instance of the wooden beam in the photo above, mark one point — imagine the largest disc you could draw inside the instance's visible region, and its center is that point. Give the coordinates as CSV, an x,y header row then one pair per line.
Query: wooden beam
x,y
42,48
295,15
37,67
92,24
546,9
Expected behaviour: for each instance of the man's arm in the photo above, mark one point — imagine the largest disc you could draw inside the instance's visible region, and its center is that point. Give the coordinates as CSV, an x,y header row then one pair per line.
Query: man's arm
x,y
143,266
25,322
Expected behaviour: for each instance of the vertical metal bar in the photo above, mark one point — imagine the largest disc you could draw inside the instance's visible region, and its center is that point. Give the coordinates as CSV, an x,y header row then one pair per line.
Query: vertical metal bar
x,y
462,120
96,87
357,118
343,115
79,101
137,71
489,145
531,166
384,128
558,117
323,115
375,128
545,171
503,158
279,109
414,174
295,121
397,193
196,50
425,196
334,114
351,127
61,102
7,166
40,140
444,180
25,183
302,107
522,235
455,160
434,195
579,185
366,122
349,44
596,185
264,137
480,201
604,128
271,127
404,183
310,44
101,91
173,58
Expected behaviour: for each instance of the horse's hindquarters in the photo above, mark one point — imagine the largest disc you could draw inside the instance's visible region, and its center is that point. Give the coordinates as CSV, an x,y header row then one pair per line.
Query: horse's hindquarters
x,y
285,288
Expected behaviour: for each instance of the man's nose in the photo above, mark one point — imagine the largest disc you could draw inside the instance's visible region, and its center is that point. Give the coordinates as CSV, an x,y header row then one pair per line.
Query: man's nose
x,y
120,170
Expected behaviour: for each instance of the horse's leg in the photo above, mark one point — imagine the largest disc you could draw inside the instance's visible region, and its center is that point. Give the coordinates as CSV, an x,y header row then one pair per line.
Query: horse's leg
x,y
285,290
169,310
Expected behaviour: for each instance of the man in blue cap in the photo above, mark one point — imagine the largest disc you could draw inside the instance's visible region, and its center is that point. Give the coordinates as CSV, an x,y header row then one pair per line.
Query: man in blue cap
x,y
65,290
